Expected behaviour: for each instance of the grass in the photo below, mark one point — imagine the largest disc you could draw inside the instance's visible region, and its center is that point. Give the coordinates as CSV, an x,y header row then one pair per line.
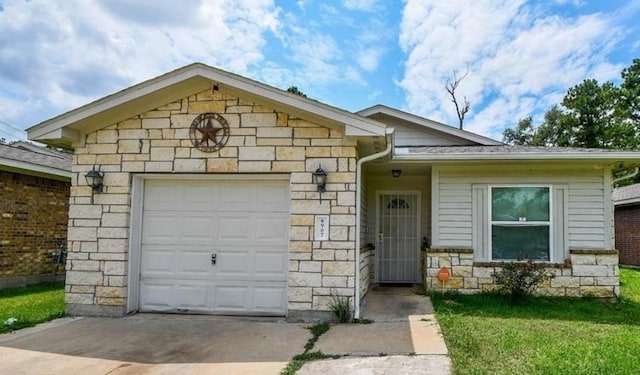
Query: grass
x,y
31,305
299,360
486,334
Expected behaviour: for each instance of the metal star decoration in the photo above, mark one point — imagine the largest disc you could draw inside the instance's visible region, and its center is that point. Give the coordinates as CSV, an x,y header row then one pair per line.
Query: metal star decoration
x,y
208,133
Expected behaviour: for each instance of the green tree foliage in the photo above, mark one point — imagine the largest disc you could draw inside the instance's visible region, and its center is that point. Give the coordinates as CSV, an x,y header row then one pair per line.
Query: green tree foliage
x,y
294,90
591,115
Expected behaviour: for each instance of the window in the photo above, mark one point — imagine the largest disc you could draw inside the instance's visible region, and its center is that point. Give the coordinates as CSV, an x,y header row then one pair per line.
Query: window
x,y
520,223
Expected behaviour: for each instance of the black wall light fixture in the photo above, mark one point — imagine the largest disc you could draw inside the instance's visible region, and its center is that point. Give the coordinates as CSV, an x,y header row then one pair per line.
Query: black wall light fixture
x,y
320,179
94,179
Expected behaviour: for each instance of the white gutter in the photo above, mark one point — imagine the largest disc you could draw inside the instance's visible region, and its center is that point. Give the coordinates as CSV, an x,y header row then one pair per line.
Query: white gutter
x,y
356,313
403,156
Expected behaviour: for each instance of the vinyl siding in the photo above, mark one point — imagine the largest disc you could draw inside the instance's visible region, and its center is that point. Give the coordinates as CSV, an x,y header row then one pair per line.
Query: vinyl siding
x,y
578,198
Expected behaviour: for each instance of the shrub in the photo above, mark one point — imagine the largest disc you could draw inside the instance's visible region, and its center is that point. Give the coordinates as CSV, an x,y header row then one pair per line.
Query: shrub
x,y
521,279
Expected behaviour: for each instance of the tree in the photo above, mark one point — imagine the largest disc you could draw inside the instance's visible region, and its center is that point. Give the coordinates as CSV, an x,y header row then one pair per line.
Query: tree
x,y
294,90
591,115
451,87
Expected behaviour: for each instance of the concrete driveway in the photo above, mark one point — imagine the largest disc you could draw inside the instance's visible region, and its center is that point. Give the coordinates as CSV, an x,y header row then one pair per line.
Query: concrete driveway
x,y
153,344
404,339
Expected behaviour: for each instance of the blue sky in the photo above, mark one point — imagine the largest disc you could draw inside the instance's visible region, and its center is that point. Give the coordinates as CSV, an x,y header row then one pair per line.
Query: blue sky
x,y
521,56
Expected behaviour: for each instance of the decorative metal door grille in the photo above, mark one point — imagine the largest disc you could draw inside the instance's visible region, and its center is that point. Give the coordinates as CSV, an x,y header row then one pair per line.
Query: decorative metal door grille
x,y
398,247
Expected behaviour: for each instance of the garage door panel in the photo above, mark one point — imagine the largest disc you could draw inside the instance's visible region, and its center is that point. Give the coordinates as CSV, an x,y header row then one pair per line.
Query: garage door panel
x,y
270,265
158,262
194,264
159,228
192,296
157,296
233,264
195,229
269,299
160,196
231,298
233,227
273,198
245,223
272,228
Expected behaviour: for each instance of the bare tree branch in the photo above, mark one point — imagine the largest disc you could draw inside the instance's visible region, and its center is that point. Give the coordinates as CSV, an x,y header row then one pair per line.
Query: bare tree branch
x,y
451,87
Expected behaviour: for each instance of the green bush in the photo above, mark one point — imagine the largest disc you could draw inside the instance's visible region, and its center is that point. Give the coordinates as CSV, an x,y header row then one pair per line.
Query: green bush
x,y
521,279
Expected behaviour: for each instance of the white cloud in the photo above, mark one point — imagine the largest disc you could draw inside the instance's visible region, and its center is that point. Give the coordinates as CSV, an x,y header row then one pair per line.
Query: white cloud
x,y
518,56
64,54
362,5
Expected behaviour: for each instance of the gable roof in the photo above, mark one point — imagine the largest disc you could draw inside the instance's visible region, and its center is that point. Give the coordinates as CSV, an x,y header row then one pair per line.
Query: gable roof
x,y
35,160
69,127
418,121
626,195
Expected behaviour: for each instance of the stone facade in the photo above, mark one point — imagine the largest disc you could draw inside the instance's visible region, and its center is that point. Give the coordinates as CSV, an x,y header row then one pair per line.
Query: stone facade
x,y
263,141
33,223
589,274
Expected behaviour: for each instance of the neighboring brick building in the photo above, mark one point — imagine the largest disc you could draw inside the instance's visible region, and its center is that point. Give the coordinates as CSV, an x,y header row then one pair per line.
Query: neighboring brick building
x,y
627,218
34,204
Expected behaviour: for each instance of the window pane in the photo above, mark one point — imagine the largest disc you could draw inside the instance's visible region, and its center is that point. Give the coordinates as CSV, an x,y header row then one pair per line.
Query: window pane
x,y
520,242
520,204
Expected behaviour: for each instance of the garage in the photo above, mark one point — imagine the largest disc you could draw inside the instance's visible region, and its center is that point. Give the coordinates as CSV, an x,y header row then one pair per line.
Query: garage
x,y
214,246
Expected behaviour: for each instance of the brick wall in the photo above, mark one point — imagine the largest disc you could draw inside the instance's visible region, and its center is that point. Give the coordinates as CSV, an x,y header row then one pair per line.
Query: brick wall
x,y
627,219
262,140
33,222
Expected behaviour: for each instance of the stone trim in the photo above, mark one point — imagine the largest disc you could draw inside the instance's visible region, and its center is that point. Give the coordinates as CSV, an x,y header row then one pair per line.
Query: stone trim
x,y
448,250
502,263
593,252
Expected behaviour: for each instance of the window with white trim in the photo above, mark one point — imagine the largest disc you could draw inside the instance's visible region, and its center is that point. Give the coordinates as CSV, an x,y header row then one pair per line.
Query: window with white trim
x,y
520,222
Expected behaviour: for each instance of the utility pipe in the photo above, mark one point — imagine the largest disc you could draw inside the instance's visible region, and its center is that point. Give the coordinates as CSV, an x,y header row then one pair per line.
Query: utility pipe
x,y
632,174
389,139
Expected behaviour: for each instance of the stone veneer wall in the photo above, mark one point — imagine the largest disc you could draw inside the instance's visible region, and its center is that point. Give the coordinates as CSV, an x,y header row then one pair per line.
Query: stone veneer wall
x,y
261,140
33,223
591,273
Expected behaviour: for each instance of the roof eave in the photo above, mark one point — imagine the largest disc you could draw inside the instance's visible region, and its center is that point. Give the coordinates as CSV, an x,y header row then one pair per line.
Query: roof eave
x,y
34,169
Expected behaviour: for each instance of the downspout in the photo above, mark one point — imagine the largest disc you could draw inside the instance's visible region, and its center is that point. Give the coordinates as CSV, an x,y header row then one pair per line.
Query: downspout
x,y
389,139
632,174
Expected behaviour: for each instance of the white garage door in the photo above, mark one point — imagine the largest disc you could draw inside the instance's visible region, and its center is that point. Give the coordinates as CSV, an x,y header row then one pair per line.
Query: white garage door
x,y
215,247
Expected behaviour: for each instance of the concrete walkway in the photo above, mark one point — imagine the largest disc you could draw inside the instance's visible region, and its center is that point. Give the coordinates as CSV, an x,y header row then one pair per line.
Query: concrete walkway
x,y
404,339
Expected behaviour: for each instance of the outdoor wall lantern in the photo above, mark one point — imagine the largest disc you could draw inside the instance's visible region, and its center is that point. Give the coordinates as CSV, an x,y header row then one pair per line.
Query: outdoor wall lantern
x,y
396,172
320,179
94,179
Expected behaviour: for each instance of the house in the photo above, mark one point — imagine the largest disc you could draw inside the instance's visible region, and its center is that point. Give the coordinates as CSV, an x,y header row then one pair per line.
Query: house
x,y
224,195
34,206
626,201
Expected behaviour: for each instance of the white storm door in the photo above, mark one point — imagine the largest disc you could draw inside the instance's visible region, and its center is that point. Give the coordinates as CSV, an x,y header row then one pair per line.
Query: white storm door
x,y
215,247
398,242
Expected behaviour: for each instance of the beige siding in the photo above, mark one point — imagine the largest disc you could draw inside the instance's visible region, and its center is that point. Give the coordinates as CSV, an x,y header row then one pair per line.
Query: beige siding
x,y
413,135
585,208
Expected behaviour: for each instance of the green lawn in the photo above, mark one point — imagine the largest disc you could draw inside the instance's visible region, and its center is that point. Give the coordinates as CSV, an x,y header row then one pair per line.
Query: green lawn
x,y
31,305
487,335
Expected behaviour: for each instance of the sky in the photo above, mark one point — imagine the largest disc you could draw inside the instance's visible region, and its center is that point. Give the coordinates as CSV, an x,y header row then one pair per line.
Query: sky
x,y
519,56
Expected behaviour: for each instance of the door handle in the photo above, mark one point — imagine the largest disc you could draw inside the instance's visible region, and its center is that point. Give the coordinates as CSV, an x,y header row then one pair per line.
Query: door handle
x,y
214,258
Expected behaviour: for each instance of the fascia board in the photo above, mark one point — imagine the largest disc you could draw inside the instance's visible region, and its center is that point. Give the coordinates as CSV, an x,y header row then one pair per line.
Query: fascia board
x,y
20,166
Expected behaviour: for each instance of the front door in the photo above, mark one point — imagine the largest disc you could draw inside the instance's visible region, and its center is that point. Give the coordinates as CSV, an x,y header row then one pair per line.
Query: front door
x,y
398,242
